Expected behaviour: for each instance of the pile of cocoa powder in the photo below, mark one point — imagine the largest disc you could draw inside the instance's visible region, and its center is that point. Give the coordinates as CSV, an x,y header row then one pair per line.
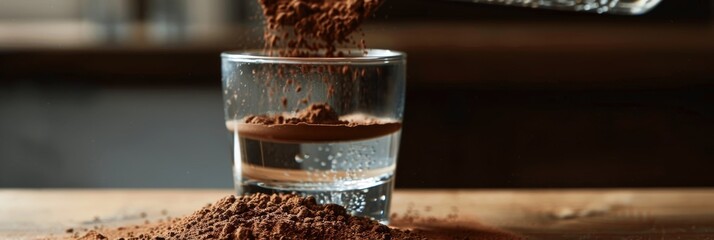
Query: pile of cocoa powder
x,y
261,216
303,28
317,113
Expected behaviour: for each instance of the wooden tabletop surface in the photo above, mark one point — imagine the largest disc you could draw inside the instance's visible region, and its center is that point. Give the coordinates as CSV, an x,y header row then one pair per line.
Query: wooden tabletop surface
x,y
534,214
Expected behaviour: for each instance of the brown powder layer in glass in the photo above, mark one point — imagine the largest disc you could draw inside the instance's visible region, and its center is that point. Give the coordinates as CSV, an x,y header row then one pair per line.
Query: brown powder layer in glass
x,y
317,25
261,216
316,123
316,113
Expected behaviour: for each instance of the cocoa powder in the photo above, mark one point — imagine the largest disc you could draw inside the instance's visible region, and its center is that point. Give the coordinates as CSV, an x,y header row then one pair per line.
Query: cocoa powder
x,y
317,122
448,227
261,216
316,113
312,28
317,25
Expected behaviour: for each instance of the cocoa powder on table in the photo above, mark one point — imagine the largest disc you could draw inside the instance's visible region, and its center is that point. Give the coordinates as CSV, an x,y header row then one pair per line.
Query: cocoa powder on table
x,y
262,216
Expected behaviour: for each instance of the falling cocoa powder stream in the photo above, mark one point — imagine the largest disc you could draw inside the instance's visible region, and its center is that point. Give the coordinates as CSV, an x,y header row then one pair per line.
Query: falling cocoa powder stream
x,y
311,28
304,28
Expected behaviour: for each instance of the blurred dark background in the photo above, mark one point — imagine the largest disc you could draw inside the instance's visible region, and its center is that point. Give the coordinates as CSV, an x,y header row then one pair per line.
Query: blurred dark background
x,y
123,93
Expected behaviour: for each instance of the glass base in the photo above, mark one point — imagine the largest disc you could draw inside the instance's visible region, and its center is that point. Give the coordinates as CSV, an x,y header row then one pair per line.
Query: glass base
x,y
372,201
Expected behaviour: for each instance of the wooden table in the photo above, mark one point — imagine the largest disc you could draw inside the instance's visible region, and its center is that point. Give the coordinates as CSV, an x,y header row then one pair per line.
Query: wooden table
x,y
537,214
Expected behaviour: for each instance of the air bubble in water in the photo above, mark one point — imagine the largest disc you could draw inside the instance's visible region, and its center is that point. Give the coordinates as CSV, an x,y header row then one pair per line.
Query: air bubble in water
x,y
299,158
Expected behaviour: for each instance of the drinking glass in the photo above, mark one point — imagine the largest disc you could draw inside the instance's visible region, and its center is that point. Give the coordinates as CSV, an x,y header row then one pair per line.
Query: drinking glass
x,y
351,162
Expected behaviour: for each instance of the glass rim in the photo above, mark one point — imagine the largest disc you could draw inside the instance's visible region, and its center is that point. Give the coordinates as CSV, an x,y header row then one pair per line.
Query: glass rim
x,y
373,56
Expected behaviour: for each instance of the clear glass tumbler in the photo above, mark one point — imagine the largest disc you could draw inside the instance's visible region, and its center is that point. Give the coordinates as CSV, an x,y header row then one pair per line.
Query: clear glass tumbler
x,y
322,127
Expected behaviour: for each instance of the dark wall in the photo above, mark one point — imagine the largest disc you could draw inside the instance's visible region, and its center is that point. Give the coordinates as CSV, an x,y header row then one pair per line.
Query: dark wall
x,y
461,137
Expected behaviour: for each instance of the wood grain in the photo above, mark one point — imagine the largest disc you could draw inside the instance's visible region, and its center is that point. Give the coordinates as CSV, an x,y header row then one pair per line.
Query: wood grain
x,y
539,214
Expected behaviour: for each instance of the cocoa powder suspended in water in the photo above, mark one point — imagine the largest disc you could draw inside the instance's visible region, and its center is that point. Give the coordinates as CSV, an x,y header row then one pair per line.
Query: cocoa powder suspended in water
x,y
316,113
